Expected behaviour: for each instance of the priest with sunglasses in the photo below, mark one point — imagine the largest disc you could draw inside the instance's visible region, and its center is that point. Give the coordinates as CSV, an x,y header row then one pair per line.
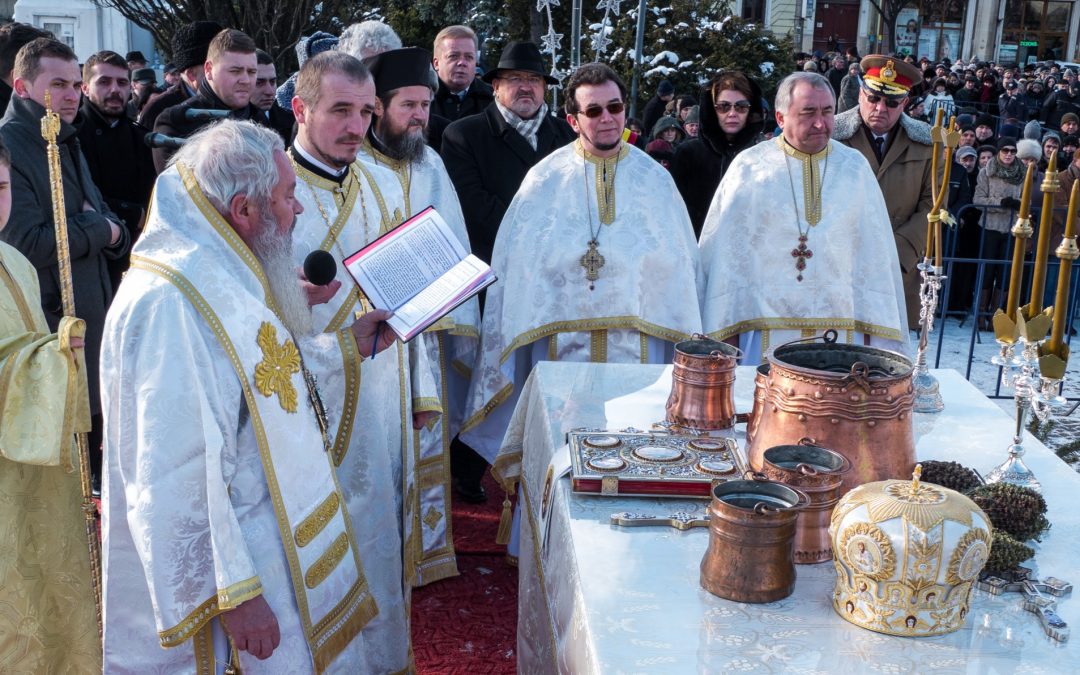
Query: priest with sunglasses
x,y
898,149
596,261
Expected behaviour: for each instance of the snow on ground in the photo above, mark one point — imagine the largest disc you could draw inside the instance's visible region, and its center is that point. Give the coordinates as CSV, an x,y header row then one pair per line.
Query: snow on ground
x,y
955,344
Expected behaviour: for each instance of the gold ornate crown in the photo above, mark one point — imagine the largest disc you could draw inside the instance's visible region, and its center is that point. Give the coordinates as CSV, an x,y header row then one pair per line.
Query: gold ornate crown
x,y
907,555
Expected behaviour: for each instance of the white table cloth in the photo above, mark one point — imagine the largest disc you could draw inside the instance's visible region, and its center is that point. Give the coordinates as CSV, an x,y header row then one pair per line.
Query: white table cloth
x,y
603,599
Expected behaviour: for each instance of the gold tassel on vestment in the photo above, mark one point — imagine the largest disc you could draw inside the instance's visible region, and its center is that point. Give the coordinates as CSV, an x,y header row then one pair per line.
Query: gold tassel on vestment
x,y
506,521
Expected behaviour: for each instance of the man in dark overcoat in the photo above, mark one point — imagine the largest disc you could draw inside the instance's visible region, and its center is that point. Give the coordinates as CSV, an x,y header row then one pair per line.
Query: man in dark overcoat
x,y
487,156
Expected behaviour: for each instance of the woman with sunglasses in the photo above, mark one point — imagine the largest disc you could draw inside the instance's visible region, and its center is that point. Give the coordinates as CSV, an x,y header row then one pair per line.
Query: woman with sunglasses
x,y
998,187
731,120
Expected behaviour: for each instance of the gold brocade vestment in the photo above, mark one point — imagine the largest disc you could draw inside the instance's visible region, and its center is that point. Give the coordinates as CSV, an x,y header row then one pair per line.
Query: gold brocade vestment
x,y
47,609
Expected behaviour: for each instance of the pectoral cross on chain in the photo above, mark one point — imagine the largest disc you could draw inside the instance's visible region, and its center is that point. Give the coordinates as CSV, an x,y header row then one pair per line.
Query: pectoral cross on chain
x,y
801,253
592,261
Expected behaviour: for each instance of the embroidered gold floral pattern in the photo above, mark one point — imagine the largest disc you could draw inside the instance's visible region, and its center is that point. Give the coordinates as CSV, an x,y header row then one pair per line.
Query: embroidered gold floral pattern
x,y
321,569
273,375
432,517
317,520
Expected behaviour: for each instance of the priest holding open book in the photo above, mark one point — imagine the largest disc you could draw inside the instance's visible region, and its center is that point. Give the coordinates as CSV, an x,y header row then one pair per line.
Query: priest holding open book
x,y
596,260
346,206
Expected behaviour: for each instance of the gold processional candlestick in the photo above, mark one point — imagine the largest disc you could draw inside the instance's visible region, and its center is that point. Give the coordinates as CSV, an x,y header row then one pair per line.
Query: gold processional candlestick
x,y
1067,252
1050,185
937,138
50,128
1021,231
950,138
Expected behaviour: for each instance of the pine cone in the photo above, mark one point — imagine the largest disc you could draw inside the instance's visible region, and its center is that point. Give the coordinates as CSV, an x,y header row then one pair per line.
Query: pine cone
x,y
1017,510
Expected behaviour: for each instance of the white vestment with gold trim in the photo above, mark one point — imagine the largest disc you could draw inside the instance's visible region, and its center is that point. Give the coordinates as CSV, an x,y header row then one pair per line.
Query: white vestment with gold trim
x,y
644,299
451,345
219,485
397,383
852,281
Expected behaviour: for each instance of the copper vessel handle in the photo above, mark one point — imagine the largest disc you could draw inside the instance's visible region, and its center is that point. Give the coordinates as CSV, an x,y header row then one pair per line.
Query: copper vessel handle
x,y
806,469
758,476
717,354
828,337
807,440
763,509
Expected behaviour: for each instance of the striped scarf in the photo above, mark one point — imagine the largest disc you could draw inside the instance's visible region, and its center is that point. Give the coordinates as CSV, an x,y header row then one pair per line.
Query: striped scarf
x,y
527,128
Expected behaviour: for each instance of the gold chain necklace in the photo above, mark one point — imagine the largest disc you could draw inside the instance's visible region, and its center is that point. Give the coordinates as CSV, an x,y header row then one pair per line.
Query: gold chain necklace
x,y
326,216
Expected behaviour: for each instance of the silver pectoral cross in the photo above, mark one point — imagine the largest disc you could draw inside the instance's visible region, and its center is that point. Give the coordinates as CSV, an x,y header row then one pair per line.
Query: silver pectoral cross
x,y
592,261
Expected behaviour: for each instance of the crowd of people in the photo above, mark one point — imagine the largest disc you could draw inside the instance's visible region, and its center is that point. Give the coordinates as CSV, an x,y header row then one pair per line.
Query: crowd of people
x,y
1007,118
270,490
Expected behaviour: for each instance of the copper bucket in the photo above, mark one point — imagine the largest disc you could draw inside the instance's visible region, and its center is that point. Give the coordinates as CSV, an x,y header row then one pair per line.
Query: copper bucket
x,y
819,473
855,399
702,382
751,540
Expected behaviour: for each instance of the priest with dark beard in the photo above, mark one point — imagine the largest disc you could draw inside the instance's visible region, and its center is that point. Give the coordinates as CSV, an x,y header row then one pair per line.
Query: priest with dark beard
x,y
397,140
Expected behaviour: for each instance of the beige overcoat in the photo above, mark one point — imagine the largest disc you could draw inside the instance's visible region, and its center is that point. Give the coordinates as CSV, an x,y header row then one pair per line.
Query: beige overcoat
x,y
904,178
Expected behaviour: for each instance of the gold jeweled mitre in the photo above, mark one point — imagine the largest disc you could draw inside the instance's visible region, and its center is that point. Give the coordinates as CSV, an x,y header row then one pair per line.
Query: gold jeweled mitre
x,y
907,555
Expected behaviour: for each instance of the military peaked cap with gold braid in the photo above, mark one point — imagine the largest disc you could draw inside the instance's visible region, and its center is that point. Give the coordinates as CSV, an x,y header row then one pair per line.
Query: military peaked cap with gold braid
x,y
886,76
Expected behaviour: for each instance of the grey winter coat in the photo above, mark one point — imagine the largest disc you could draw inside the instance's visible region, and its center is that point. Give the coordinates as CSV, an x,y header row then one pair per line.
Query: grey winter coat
x,y
992,187
31,230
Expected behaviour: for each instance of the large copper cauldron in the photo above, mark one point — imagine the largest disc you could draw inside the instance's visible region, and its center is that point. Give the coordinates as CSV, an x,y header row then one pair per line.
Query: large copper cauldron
x,y
751,540
856,400
819,473
702,382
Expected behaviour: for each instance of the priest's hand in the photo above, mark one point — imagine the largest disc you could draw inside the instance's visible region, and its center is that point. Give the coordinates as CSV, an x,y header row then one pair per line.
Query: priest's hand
x,y
422,419
368,326
318,295
76,343
253,627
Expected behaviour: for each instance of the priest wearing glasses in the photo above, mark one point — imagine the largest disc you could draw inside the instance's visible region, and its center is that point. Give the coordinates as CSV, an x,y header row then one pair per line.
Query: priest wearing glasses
x,y
596,261
796,241
898,149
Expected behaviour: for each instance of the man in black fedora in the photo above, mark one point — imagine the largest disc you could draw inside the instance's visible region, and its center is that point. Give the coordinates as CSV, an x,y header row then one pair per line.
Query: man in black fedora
x,y
487,156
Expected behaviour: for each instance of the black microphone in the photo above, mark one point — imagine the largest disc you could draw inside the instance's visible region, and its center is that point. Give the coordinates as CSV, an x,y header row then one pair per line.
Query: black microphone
x,y
156,140
320,268
204,114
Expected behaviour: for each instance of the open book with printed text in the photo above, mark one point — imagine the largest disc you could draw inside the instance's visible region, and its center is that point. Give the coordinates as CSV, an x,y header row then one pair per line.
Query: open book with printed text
x,y
420,271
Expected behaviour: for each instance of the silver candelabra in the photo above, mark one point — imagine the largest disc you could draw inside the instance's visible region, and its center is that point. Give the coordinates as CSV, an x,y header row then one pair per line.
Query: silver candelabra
x,y
1032,392
927,389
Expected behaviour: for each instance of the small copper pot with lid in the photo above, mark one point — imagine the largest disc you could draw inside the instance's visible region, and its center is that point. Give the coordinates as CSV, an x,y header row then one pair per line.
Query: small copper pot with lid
x,y
819,472
751,540
702,381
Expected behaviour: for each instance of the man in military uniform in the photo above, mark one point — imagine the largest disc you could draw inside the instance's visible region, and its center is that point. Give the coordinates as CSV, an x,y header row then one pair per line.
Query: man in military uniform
x,y
898,149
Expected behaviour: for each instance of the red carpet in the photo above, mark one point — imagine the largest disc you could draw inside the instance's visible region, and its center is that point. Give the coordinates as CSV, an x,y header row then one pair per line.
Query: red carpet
x,y
468,624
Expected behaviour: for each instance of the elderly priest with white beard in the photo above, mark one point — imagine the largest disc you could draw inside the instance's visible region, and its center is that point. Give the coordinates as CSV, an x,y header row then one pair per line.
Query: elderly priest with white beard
x,y
225,536
798,241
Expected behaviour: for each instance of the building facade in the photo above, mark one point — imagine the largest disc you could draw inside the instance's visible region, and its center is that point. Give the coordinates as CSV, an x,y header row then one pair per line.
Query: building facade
x,y
1006,31
86,27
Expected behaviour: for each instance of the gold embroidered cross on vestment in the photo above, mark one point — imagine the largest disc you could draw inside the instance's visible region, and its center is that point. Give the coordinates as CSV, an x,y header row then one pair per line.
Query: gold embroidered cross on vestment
x,y
273,375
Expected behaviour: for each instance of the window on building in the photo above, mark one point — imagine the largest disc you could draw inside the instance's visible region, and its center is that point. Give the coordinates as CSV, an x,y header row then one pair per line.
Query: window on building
x,y
1035,30
62,27
754,10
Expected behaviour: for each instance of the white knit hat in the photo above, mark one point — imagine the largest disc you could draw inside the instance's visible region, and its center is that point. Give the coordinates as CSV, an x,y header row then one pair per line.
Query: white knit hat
x,y
1028,149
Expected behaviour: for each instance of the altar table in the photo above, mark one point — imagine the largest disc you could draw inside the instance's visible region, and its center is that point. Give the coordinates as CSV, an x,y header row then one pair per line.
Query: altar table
x,y
597,598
